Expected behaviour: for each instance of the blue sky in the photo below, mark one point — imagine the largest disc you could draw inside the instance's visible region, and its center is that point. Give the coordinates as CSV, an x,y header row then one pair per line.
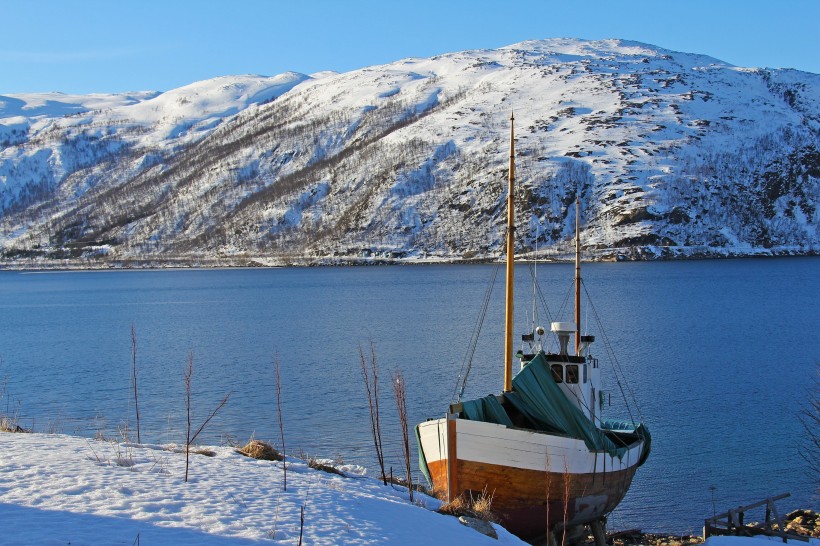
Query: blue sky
x,y
86,46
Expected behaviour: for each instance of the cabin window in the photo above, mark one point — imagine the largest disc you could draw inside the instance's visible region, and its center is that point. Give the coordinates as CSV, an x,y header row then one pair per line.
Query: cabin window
x,y
557,373
585,373
572,373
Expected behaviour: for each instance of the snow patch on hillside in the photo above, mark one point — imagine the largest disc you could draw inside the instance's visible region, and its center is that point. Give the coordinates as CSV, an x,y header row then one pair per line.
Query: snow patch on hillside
x,y
673,154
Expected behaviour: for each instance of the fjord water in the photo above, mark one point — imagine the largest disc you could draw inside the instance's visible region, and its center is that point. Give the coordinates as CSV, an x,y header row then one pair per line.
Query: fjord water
x,y
719,356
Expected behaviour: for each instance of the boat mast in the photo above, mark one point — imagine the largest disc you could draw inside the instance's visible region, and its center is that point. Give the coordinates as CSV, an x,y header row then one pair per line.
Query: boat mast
x,y
508,323
577,273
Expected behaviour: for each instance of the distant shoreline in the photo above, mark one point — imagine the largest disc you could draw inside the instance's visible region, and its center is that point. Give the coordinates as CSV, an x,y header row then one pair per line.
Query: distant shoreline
x,y
254,262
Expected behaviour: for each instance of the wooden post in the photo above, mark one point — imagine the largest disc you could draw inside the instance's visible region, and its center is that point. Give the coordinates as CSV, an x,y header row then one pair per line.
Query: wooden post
x,y
452,459
770,502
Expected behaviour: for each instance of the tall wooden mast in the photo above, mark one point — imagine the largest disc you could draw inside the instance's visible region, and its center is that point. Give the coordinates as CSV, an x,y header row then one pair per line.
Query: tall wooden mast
x,y
577,273
508,323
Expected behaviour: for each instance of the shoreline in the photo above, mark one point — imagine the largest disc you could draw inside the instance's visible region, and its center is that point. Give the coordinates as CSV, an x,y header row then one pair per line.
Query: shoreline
x,y
193,263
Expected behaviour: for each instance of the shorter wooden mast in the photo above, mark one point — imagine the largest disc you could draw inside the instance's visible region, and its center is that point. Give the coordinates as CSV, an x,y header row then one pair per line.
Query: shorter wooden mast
x,y
508,323
577,274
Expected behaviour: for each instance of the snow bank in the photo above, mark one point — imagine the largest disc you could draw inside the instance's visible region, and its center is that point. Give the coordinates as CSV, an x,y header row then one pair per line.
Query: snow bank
x,y
57,489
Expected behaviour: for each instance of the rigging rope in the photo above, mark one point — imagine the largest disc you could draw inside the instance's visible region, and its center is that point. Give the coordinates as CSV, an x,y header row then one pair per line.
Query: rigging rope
x,y
619,373
467,362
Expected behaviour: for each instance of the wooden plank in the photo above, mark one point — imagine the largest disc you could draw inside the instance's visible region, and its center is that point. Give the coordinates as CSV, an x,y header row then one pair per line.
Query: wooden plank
x,y
452,459
776,514
751,506
732,522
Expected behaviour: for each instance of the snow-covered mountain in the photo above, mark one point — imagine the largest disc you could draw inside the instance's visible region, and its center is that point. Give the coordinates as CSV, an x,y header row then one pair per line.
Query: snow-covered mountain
x,y
673,154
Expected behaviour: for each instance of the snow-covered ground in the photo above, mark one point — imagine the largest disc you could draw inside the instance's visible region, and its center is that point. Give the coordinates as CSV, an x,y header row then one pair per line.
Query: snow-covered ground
x,y
58,489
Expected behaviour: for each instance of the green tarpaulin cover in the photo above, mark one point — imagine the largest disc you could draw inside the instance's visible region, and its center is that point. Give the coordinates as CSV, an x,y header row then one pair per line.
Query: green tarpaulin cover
x,y
541,401
487,409
542,396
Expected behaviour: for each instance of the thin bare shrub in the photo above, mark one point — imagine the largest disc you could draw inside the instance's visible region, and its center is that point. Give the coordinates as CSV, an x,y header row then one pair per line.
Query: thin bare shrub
x,y
548,473
271,534
55,424
159,465
370,375
9,419
302,521
125,453
228,439
188,373
101,460
134,379
11,422
400,394
281,426
566,501
302,516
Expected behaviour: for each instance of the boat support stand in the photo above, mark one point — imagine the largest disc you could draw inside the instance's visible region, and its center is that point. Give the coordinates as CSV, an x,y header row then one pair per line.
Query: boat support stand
x,y
576,534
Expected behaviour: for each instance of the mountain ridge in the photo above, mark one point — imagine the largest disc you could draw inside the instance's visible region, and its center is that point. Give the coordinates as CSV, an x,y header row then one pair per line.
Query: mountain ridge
x,y
673,154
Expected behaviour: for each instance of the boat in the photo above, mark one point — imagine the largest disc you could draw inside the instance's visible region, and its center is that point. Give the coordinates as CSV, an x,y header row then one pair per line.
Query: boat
x,y
541,448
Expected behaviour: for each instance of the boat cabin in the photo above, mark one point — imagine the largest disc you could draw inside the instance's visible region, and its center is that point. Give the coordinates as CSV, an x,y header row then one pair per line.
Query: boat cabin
x,y
578,376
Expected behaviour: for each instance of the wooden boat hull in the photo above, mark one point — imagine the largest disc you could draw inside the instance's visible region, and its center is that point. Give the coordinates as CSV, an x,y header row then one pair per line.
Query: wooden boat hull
x,y
538,481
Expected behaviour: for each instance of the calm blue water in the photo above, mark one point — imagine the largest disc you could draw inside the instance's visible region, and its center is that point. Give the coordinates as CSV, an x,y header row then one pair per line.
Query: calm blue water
x,y
719,356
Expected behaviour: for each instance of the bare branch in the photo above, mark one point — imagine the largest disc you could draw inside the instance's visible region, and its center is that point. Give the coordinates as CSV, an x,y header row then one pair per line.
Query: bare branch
x,y
281,426
134,378
211,416
371,385
400,394
188,373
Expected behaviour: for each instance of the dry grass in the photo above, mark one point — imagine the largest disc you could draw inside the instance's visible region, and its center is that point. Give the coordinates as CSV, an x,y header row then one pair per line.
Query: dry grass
x,y
9,424
478,506
258,449
318,465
